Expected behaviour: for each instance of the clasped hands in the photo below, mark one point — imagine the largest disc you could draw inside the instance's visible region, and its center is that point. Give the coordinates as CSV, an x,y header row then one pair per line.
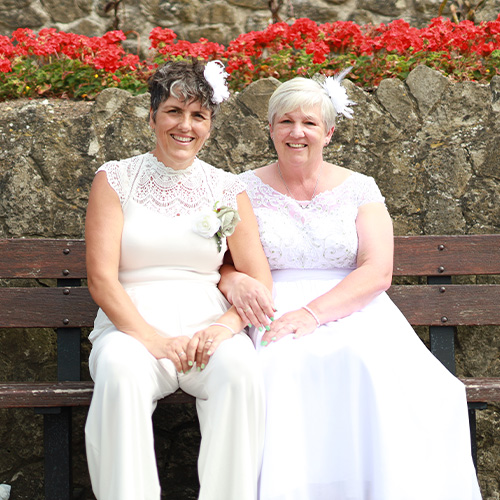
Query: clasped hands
x,y
187,353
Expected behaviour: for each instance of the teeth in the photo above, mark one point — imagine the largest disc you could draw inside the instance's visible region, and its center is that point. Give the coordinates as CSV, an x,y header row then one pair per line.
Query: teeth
x,y
297,145
182,139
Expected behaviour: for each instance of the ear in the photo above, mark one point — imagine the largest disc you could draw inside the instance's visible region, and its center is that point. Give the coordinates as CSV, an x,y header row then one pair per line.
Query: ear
x,y
271,131
329,135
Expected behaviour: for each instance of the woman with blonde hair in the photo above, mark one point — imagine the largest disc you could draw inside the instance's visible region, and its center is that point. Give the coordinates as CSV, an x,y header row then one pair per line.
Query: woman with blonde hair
x,y
357,407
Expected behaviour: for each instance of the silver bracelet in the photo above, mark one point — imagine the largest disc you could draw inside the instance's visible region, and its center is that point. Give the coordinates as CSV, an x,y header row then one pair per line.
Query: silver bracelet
x,y
312,313
225,326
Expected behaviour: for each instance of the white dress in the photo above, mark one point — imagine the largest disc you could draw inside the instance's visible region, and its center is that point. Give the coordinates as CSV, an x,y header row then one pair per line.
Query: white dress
x,y
360,409
171,274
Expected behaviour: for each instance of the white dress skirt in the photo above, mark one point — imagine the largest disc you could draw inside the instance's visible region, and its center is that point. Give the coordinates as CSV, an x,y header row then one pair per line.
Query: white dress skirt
x,y
360,409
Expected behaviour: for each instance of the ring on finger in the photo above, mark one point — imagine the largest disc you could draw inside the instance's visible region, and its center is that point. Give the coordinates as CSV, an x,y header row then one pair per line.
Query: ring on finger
x,y
182,353
247,309
209,340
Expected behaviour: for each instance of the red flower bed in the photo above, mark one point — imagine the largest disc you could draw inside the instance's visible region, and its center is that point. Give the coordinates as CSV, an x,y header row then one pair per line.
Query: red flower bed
x,y
59,64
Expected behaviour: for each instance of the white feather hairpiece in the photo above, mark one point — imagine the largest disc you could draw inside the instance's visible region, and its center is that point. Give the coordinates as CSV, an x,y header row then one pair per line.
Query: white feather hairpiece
x,y
338,94
216,75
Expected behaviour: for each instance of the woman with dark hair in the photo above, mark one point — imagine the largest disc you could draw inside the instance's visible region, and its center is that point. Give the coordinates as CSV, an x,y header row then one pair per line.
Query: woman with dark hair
x,y
357,408
157,228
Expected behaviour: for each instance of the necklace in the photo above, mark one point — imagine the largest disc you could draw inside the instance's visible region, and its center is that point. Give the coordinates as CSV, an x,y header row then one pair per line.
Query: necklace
x,y
291,195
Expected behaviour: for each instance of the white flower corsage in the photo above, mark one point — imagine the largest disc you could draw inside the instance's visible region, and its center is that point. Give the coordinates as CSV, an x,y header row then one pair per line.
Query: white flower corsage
x,y
216,75
219,222
338,94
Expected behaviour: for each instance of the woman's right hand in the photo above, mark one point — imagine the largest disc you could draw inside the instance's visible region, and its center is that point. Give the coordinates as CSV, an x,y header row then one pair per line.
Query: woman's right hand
x,y
252,300
172,348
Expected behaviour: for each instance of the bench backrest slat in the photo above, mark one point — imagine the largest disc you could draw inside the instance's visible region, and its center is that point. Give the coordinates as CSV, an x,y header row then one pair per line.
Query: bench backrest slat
x,y
44,258
448,305
46,307
413,256
446,255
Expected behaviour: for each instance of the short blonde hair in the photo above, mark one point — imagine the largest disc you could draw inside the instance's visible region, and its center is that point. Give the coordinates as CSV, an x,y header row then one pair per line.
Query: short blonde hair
x,y
301,93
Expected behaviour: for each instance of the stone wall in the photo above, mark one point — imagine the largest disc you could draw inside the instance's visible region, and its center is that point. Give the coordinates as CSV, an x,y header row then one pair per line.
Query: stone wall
x,y
431,145
217,20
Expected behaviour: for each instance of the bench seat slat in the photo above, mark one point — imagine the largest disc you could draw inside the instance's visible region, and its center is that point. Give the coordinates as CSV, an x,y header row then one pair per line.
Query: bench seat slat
x,y
460,304
54,394
482,390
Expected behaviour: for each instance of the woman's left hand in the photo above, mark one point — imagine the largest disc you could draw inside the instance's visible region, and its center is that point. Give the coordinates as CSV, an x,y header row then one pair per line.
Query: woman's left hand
x,y
298,323
204,343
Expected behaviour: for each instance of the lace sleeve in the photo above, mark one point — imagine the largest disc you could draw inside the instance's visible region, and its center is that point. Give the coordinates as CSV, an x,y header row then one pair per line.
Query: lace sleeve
x,y
232,188
368,191
225,185
117,178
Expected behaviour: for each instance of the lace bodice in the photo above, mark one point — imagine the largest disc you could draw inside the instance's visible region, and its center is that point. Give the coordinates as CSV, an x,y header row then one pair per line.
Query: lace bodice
x,y
160,207
321,236
164,190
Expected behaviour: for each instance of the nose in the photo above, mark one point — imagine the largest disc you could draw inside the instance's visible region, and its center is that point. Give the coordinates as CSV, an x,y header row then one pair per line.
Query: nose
x,y
185,122
297,130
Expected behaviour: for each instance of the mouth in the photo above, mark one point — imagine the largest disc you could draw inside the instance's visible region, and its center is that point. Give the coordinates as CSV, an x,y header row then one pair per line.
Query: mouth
x,y
296,145
180,138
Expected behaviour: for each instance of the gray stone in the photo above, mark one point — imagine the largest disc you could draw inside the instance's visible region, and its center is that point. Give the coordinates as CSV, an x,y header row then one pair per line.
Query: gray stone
x,y
394,97
250,4
218,13
390,8
495,93
64,11
427,86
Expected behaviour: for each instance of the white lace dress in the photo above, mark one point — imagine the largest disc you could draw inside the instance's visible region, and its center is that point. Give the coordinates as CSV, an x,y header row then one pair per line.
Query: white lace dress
x,y
360,409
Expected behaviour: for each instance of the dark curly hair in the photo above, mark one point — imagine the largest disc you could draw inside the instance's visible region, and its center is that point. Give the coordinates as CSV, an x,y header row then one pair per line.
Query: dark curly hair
x,y
185,81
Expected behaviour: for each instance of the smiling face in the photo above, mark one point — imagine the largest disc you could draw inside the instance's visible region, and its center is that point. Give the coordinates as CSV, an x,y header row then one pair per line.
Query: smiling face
x,y
181,129
299,136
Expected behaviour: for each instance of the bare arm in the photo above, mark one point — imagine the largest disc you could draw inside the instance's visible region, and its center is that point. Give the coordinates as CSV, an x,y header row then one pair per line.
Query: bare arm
x,y
103,232
249,258
240,282
371,277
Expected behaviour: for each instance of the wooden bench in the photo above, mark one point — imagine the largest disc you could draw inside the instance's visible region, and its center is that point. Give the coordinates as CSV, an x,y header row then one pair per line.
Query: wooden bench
x,y
433,301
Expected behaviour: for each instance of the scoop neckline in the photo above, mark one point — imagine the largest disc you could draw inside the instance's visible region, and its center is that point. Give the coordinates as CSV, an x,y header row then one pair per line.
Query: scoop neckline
x,y
335,188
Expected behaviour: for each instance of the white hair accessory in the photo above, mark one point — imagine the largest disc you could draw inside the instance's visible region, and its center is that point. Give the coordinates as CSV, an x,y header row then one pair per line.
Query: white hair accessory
x,y
338,94
216,75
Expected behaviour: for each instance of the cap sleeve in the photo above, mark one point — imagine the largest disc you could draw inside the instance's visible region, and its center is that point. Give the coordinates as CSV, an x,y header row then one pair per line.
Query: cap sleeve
x,y
233,186
225,186
369,192
118,178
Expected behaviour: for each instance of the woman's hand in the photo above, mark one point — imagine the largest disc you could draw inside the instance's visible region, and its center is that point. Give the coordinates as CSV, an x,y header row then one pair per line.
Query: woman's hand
x,y
172,348
253,301
204,343
298,323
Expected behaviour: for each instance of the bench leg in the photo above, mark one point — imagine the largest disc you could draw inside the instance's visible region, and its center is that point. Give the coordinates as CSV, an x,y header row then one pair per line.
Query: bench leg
x,y
57,450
